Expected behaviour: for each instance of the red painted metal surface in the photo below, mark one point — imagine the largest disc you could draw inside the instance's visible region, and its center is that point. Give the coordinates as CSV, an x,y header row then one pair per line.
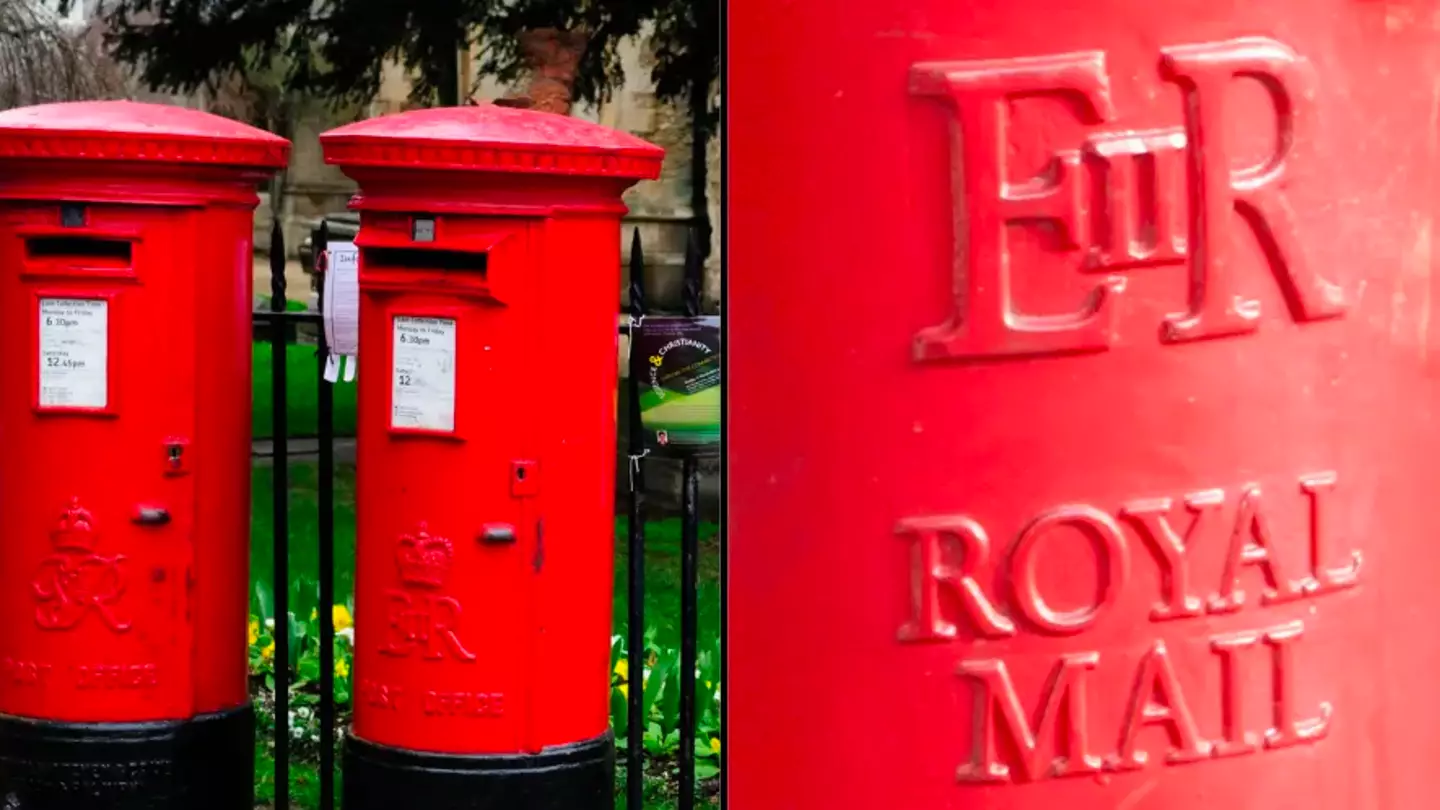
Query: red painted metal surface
x,y
1104,473
125,409
489,270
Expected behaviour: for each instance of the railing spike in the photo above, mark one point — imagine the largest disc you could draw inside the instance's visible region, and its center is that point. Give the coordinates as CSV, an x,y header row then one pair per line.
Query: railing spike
x,y
637,275
694,273
277,266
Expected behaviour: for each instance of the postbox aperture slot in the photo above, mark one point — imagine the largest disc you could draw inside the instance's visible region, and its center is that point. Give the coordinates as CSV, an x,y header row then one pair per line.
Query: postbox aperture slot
x,y
467,260
445,261
93,251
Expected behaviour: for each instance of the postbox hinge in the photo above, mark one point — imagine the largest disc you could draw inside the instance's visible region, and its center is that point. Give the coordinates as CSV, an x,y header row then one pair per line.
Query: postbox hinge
x,y
524,479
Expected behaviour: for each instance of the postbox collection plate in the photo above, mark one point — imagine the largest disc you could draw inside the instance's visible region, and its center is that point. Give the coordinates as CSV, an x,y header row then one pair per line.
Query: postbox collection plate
x,y
74,340
424,369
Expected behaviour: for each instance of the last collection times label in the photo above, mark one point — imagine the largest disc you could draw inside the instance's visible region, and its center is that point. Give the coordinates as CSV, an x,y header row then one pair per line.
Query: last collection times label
x,y
74,352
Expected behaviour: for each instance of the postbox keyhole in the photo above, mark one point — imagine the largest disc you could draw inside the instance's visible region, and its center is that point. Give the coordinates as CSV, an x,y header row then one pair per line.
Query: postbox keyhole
x,y
175,457
524,479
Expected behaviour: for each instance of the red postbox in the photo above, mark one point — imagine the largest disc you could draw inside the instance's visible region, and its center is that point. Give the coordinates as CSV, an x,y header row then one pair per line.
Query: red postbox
x,y
489,275
125,237
1106,474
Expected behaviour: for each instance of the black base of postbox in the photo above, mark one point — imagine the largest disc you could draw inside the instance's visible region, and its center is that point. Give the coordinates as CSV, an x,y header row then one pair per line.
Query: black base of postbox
x,y
203,764
569,777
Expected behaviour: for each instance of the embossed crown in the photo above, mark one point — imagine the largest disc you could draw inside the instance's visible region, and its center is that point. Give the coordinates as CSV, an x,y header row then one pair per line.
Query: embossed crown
x,y
424,560
75,530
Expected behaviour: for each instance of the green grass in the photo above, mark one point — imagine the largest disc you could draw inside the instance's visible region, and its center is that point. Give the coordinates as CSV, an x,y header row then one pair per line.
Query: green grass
x,y
304,525
662,580
662,553
302,380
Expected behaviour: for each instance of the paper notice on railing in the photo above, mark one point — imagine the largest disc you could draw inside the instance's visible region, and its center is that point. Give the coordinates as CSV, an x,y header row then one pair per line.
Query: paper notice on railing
x,y
342,308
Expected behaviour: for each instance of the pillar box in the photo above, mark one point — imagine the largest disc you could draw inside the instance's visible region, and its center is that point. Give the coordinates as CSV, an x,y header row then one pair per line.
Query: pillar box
x,y
1106,477
489,281
125,234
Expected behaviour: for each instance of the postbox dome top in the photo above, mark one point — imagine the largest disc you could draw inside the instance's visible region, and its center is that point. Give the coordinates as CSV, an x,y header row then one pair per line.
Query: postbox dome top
x,y
492,138
129,130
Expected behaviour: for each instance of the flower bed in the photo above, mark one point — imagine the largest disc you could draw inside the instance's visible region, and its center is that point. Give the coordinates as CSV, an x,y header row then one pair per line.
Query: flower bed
x,y
660,683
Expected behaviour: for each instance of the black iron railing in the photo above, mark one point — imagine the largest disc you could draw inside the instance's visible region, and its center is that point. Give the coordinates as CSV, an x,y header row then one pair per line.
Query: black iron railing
x,y
280,325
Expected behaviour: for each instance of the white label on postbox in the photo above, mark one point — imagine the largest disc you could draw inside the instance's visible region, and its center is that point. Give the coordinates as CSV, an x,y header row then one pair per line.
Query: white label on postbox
x,y
74,352
422,391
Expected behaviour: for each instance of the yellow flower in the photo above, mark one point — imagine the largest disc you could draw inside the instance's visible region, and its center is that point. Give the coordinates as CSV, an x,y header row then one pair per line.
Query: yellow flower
x,y
715,745
342,669
253,633
268,652
313,614
340,615
622,668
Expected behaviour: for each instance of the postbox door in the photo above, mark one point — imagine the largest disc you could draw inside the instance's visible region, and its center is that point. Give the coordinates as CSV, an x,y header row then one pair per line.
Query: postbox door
x,y
450,529
96,559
